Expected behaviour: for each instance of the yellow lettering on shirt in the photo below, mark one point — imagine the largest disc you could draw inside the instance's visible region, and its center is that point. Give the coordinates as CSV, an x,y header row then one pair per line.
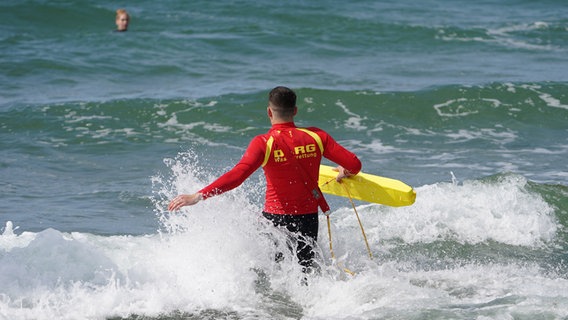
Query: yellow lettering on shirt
x,y
300,152
279,156
305,149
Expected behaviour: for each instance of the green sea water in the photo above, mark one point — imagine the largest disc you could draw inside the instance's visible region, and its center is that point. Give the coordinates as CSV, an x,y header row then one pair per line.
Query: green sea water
x,y
465,101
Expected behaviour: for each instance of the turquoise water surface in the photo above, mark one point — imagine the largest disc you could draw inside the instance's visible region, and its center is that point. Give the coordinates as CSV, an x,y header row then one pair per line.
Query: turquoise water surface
x,y
465,101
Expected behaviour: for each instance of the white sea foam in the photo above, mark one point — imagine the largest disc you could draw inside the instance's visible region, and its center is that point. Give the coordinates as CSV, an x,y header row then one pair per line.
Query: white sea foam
x,y
207,257
497,136
471,213
552,101
464,107
354,121
377,147
508,36
184,131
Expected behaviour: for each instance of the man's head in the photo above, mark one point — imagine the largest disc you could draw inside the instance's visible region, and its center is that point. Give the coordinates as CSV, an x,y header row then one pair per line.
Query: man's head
x,y
282,102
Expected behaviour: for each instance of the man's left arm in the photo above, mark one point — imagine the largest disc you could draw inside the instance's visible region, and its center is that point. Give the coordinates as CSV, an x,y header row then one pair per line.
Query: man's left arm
x,y
349,163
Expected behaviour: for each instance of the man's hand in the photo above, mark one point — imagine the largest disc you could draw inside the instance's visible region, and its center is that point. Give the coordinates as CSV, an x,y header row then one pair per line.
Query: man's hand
x,y
184,200
343,173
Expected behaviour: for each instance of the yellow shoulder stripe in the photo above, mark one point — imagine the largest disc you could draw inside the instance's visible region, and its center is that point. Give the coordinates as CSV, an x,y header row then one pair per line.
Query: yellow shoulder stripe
x,y
270,142
315,136
268,150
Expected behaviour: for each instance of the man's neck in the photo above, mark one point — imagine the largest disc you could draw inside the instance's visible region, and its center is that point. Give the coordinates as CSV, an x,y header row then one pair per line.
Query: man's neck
x,y
274,121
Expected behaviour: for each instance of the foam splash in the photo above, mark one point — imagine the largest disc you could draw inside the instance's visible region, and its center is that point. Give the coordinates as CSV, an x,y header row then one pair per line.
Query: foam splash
x,y
218,255
473,212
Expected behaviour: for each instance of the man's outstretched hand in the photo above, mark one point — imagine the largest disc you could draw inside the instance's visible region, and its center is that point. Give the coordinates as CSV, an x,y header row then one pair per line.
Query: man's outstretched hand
x,y
183,200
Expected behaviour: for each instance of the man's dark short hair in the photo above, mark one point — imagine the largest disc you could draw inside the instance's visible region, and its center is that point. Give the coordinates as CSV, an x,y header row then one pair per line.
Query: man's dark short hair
x,y
283,100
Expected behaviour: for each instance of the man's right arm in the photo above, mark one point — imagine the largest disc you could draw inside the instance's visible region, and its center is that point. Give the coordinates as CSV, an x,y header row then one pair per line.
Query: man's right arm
x,y
251,160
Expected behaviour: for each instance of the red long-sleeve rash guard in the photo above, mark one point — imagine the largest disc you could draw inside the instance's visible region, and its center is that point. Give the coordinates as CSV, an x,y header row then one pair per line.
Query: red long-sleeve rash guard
x,y
286,188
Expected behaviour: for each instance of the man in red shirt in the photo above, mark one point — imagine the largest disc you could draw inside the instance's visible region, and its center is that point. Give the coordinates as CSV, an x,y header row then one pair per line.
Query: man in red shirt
x,y
290,157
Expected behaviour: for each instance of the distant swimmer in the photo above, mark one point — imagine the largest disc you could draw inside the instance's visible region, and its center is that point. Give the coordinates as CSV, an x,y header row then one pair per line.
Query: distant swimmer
x,y
290,157
122,19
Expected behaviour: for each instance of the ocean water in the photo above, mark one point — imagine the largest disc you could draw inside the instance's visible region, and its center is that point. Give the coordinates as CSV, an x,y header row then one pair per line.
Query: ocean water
x,y
465,101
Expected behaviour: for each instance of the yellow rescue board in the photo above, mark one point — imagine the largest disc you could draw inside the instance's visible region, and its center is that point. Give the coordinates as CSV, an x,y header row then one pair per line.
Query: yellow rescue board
x,y
367,187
